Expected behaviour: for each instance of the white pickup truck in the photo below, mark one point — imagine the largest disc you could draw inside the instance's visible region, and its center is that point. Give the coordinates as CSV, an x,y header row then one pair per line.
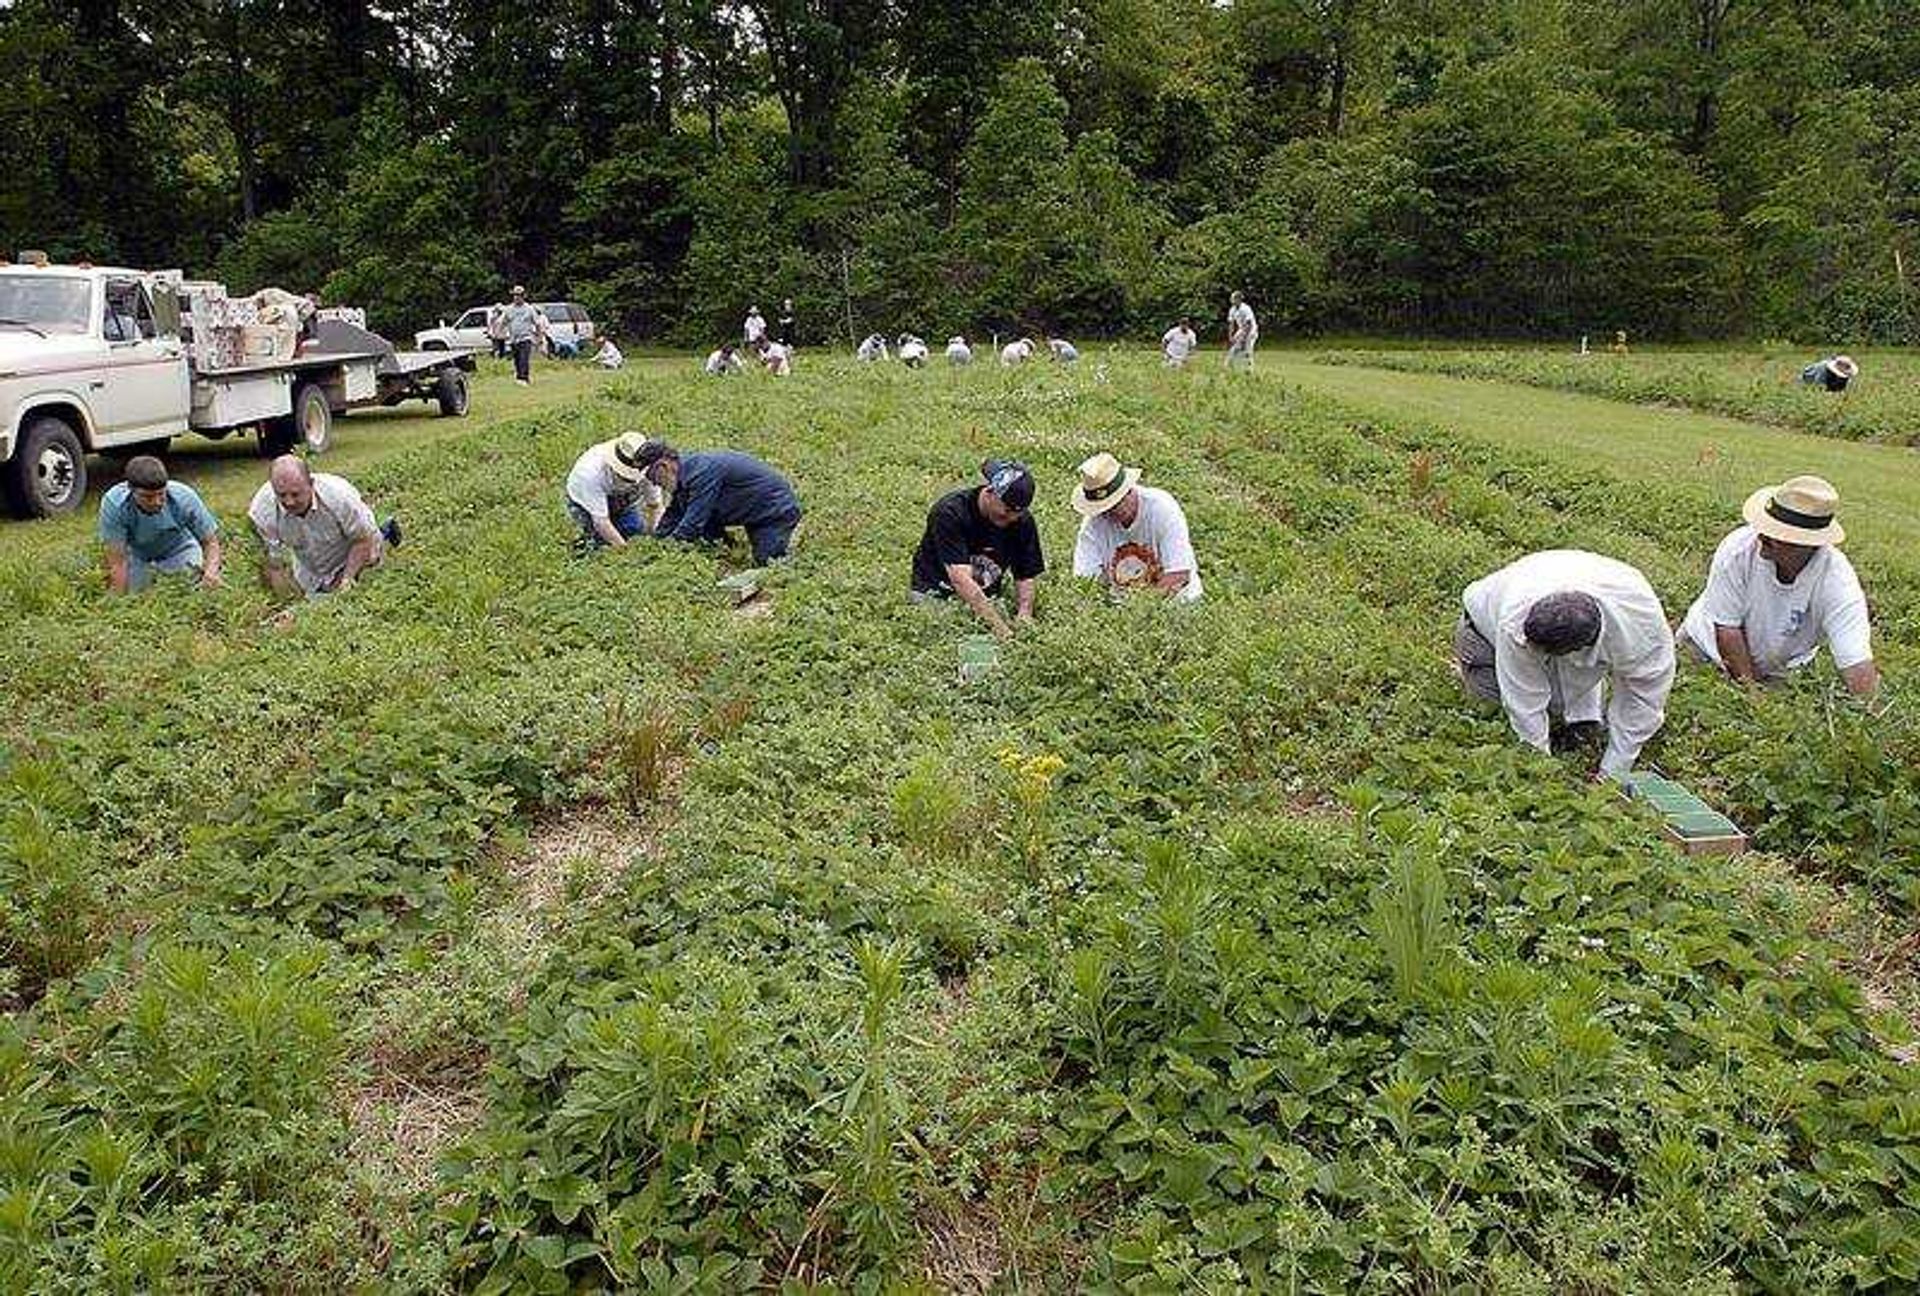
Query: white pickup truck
x,y
96,359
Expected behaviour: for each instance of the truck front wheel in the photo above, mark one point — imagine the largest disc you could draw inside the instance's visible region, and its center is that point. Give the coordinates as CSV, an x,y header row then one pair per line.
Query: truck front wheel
x,y
48,474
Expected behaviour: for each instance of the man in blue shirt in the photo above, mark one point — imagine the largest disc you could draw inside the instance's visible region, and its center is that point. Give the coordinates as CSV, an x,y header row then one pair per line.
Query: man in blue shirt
x,y
711,490
150,524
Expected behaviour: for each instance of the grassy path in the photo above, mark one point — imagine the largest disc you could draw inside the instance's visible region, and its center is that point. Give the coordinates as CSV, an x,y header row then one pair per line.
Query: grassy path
x,y
1880,484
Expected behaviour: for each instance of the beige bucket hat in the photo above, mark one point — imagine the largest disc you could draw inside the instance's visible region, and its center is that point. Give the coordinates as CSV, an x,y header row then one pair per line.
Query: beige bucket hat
x,y
1845,367
623,455
1799,511
1103,483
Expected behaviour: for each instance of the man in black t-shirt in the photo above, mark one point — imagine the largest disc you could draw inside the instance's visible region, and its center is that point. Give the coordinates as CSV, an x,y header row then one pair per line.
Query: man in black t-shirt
x,y
977,534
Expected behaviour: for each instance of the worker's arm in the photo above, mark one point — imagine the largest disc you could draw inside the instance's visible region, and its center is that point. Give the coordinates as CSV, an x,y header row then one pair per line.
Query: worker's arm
x,y
960,576
116,560
1734,653
1525,690
1172,582
1023,592
1862,678
609,533
215,557
277,577
359,558
696,495
1636,710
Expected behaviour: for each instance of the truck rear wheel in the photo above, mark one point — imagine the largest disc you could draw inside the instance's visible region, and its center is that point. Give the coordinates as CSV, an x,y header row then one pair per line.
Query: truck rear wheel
x,y
310,424
48,474
451,392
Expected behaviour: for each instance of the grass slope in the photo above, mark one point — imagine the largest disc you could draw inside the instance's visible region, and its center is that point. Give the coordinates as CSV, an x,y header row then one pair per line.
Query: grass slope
x,y
1198,948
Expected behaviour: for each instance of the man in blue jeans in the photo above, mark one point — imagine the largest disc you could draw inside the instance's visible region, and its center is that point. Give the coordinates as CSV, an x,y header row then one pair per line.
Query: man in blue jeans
x,y
608,496
710,490
150,524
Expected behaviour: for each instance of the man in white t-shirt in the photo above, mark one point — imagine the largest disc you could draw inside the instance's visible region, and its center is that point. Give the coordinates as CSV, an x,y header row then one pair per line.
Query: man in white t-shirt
x,y
1243,330
1178,342
1779,586
608,495
1549,635
1063,351
872,348
317,525
722,361
1131,536
958,352
755,327
777,357
912,350
1018,351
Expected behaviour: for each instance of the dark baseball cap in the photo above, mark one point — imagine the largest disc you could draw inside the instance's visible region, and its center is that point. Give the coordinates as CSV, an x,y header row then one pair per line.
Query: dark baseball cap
x,y
1010,481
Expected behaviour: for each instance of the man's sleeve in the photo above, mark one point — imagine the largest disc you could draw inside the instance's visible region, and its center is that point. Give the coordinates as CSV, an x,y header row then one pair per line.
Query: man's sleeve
x,y
1637,709
950,546
357,516
1176,546
1525,689
695,497
1725,598
114,531
199,518
1089,556
266,525
590,494
1028,561
1849,631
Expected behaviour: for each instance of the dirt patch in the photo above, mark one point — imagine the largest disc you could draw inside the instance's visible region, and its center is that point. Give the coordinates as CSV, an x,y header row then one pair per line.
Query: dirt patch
x,y
409,1110
754,608
962,1249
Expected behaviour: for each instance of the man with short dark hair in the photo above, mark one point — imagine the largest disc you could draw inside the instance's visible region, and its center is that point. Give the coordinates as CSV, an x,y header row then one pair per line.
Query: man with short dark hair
x,y
710,490
976,535
1545,637
151,524
318,533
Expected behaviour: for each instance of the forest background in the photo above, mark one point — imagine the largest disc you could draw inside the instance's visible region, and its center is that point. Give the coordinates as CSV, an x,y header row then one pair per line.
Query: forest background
x,y
1494,168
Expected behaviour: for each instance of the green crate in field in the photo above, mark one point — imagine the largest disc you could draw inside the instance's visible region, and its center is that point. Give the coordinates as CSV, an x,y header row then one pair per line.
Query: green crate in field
x,y
979,657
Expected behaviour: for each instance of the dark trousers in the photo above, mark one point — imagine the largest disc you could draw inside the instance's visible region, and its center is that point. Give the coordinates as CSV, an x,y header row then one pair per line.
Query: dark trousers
x,y
770,539
523,359
628,523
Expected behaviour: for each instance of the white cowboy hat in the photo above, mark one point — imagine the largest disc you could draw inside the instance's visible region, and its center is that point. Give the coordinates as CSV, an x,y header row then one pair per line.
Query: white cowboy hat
x,y
1103,483
1845,367
623,455
1800,511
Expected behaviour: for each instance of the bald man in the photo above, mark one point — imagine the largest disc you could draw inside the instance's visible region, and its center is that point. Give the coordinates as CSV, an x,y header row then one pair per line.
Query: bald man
x,y
318,533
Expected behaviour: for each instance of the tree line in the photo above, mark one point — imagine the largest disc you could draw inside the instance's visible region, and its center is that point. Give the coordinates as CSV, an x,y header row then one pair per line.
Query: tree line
x,y
1677,168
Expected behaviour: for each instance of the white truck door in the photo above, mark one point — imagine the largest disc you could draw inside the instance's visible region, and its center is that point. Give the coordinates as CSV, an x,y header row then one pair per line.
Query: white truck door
x,y
147,392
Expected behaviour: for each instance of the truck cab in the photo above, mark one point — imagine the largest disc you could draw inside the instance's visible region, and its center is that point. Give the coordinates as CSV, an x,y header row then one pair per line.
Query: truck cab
x,y
91,359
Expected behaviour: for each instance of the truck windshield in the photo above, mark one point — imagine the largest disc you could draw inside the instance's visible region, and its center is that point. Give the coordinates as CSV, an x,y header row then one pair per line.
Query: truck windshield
x,y
44,304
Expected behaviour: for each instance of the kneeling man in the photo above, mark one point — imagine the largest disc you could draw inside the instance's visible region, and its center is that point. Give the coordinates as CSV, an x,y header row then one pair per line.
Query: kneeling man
x,y
976,535
710,490
1779,586
150,524
1131,536
1547,635
317,525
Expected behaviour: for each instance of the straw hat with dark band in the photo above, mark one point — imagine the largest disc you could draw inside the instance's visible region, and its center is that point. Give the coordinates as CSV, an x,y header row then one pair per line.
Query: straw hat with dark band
x,y
631,453
1800,511
1103,483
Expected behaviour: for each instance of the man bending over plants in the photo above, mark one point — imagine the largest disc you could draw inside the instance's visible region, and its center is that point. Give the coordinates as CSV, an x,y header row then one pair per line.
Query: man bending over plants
x,y
608,495
1545,636
977,534
319,535
1132,537
708,491
1778,586
151,524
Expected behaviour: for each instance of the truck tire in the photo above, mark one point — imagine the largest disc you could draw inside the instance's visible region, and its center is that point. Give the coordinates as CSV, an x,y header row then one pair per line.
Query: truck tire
x,y
451,392
313,418
48,474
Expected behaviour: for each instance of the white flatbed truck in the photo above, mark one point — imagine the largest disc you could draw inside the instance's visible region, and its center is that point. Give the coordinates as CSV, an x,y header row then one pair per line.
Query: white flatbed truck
x,y
95,359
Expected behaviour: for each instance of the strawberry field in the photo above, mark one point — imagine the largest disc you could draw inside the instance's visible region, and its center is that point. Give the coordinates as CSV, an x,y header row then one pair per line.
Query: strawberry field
x,y
1761,384
526,921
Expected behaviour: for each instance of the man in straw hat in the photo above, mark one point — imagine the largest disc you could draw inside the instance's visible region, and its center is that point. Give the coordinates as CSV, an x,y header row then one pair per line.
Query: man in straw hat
x,y
1778,586
710,490
1131,536
608,495
975,536
1548,636
1833,373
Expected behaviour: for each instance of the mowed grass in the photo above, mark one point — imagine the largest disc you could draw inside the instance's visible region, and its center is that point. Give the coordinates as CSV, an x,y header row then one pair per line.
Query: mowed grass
x,y
1761,384
1879,484
535,922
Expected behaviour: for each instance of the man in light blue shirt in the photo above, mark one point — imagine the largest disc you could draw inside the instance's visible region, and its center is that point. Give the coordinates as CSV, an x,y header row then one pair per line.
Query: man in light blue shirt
x,y
150,524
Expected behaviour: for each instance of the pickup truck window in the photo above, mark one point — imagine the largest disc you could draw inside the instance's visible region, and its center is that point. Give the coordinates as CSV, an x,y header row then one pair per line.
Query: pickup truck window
x,y
473,319
129,315
44,304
